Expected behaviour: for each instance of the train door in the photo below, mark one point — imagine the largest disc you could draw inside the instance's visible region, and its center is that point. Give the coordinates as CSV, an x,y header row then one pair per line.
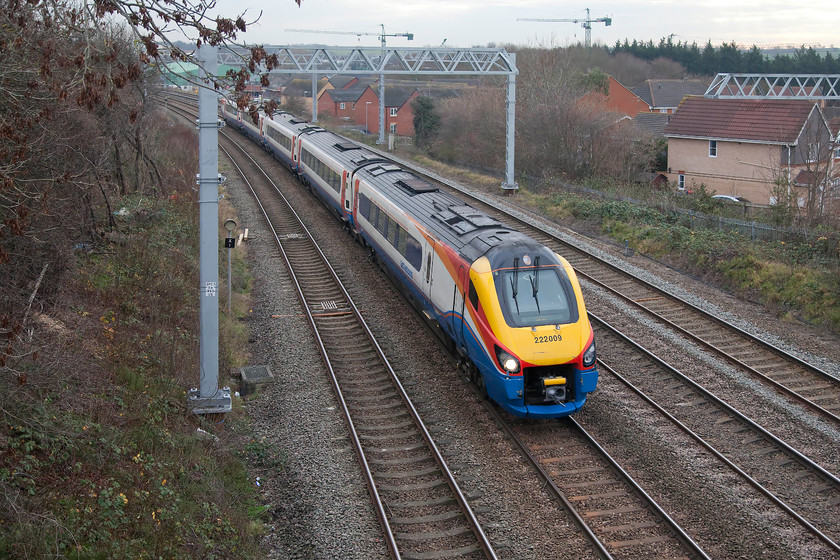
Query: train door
x,y
428,265
347,195
458,307
295,151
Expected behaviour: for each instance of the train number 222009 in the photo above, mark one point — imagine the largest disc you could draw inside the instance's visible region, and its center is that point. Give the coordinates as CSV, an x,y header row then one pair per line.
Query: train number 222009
x,y
548,338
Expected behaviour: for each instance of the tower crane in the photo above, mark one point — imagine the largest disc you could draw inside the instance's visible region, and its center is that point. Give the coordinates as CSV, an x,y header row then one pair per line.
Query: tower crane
x,y
585,23
382,35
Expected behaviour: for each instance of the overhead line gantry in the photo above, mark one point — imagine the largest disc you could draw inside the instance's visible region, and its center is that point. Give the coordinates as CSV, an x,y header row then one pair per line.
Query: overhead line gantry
x,y
360,61
382,35
775,86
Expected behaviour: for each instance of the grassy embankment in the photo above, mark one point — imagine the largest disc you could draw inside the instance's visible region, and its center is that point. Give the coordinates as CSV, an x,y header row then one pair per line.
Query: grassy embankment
x,y
99,455
793,279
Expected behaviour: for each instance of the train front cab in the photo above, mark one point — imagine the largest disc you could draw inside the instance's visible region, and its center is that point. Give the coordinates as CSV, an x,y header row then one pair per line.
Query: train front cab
x,y
541,347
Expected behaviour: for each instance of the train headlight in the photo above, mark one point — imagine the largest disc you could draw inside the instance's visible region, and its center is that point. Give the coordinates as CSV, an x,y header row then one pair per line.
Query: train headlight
x,y
589,356
507,362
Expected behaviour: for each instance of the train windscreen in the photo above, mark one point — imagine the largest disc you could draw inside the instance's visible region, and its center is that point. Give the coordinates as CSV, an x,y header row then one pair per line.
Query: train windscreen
x,y
534,296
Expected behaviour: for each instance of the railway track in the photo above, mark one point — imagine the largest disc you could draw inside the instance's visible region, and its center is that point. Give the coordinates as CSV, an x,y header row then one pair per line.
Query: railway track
x,y
422,511
603,499
790,480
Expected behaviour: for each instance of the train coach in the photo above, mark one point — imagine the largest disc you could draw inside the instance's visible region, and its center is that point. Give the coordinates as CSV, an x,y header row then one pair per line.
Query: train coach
x,y
509,306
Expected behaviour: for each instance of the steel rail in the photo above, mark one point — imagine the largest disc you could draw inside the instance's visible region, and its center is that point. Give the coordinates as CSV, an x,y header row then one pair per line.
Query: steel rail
x,y
390,539
691,546
757,485
732,359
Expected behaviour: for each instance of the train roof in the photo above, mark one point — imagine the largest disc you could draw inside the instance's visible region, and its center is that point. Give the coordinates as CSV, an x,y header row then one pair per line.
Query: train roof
x,y
469,231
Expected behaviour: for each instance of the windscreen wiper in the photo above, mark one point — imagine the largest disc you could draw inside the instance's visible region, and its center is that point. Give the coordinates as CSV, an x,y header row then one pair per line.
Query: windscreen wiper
x,y
535,282
514,282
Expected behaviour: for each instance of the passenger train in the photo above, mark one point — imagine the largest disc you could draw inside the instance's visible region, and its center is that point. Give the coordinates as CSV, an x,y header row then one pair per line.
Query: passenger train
x,y
509,306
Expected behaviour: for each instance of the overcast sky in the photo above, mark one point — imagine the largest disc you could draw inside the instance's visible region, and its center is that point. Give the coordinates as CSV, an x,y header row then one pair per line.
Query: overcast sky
x,y
469,23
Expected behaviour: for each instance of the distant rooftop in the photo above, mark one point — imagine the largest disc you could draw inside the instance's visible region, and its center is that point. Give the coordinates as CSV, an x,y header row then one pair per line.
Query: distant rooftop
x,y
778,121
668,93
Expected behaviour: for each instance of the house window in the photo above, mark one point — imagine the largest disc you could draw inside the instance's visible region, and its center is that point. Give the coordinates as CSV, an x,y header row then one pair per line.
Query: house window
x,y
341,105
393,128
813,152
712,148
681,182
393,111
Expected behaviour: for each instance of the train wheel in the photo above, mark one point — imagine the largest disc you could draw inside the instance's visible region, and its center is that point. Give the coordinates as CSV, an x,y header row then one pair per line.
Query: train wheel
x,y
476,378
479,382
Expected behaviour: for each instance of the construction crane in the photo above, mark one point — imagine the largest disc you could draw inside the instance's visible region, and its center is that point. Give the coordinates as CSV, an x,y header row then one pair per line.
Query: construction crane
x,y
381,35
585,23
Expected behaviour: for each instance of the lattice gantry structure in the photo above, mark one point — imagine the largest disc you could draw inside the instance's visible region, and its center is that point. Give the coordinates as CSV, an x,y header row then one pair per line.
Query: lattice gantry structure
x,y
775,86
396,61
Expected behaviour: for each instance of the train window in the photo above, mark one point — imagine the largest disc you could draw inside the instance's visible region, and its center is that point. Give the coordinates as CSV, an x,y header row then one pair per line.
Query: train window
x,y
393,231
402,242
536,296
382,226
335,180
364,205
279,137
413,252
473,296
374,215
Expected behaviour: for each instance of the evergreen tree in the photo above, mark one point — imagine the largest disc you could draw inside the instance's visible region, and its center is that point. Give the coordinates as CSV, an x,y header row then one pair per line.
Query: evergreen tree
x,y
426,121
754,61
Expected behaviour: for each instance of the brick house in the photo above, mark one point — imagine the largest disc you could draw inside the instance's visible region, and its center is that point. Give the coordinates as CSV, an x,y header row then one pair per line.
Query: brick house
x,y
340,103
664,96
366,113
619,100
399,117
745,147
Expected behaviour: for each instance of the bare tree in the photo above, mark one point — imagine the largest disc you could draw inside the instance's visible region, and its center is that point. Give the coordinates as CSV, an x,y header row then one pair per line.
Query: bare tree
x,y
74,127
472,128
813,164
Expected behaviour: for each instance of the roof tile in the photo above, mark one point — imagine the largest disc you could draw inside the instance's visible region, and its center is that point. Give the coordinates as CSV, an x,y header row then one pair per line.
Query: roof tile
x,y
762,120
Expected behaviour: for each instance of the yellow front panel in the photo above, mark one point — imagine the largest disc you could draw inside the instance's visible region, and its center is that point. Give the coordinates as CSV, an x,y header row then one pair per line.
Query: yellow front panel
x,y
542,345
